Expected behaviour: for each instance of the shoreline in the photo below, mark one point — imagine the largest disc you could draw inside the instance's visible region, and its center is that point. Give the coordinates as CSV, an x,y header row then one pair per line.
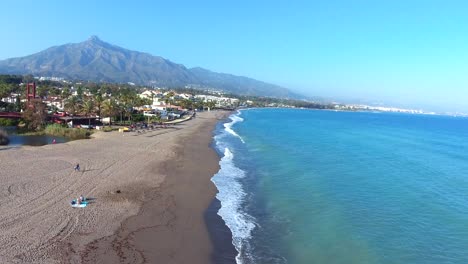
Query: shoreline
x,y
224,251
179,199
151,193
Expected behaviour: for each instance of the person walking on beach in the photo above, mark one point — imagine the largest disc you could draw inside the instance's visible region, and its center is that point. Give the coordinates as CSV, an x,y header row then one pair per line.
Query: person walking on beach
x,y
77,167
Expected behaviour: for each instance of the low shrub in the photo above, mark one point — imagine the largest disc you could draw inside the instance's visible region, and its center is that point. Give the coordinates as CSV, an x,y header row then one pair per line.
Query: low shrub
x,y
138,118
4,138
63,131
8,122
107,129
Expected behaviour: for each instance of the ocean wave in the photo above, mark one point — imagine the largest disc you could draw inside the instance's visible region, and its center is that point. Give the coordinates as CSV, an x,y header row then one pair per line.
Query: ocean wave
x,y
232,195
228,126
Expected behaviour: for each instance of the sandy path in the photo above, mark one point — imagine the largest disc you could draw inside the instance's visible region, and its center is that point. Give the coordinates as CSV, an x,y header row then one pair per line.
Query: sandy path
x,y
37,225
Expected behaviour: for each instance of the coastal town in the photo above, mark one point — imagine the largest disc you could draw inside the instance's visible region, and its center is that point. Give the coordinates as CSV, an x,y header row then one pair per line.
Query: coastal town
x,y
39,101
92,105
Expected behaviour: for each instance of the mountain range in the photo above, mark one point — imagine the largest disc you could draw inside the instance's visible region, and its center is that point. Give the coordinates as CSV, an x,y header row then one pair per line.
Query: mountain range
x,y
99,61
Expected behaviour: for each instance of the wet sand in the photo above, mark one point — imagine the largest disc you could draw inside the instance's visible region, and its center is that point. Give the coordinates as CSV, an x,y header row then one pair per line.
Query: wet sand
x,y
149,195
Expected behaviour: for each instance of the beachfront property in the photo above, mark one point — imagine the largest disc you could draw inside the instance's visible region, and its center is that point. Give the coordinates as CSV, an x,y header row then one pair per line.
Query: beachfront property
x,y
150,94
158,102
161,105
155,95
219,100
379,109
162,100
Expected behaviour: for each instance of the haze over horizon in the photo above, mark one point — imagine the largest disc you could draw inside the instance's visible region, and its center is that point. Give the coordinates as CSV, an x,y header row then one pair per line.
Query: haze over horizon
x,y
410,54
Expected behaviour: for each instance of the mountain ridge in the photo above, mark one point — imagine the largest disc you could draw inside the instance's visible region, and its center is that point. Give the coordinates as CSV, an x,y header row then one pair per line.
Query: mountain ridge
x,y
97,60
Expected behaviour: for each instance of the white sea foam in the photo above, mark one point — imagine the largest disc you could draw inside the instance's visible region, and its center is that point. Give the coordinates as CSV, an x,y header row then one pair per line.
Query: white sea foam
x,y
228,126
232,195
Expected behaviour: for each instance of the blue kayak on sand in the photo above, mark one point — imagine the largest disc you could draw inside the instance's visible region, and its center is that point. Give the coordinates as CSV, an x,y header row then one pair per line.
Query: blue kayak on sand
x,y
81,205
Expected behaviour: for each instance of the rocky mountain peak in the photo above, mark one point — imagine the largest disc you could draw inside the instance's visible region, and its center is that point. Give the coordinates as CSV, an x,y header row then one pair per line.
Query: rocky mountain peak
x,y
94,38
96,60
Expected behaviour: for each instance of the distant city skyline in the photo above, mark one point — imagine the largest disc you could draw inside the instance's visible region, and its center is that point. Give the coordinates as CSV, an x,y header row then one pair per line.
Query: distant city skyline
x,y
410,53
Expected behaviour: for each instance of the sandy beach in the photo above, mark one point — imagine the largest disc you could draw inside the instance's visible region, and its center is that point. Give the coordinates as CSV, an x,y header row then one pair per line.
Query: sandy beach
x,y
148,194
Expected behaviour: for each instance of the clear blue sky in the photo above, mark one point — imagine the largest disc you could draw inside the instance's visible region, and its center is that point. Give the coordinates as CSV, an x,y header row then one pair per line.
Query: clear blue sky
x,y
408,52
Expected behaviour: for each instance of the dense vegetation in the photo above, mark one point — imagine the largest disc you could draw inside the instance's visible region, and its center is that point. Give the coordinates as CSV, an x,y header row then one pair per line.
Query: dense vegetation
x,y
6,122
9,84
62,131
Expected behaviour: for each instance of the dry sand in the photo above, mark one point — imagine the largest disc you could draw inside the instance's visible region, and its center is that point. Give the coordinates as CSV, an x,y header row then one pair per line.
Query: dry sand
x,y
163,178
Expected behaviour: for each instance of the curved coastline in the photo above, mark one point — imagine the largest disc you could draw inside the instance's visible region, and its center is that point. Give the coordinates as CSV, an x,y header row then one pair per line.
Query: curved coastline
x,y
173,225
151,193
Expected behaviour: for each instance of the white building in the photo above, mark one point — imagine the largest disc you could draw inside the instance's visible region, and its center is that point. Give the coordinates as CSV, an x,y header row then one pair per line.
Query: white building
x,y
54,101
154,95
220,101
10,99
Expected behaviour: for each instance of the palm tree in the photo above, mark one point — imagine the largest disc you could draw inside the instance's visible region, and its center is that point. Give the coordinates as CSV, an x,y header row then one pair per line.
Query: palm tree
x,y
186,104
109,107
210,105
168,98
5,90
135,101
126,103
72,105
88,109
66,93
98,100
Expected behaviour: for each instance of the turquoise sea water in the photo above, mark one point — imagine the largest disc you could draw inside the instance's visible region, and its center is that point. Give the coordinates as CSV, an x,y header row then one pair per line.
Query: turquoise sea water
x,y
305,186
